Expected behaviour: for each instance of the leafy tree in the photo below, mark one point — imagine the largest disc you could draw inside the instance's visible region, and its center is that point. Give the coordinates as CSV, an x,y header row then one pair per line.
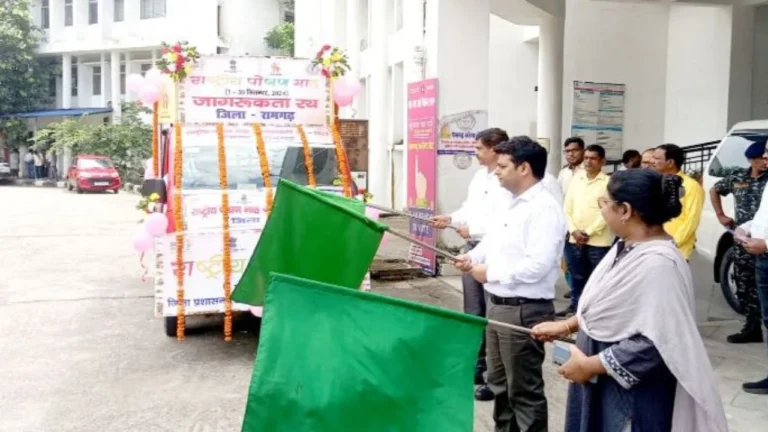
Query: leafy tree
x,y
282,36
127,143
24,77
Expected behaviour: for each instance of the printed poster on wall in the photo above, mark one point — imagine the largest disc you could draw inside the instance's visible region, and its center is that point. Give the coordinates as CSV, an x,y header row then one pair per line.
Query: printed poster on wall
x,y
458,132
422,161
598,115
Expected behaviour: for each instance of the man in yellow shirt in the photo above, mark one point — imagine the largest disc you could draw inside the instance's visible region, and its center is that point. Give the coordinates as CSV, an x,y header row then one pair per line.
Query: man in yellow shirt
x,y
669,159
590,239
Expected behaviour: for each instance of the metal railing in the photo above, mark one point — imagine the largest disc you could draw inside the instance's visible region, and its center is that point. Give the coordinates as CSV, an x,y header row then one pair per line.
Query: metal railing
x,y
696,158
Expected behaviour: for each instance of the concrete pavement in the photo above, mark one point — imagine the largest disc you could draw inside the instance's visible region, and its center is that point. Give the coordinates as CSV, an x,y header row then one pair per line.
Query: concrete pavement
x,y
81,351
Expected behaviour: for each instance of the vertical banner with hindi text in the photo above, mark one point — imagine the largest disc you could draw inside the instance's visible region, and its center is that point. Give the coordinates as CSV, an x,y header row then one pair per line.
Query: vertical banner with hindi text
x,y
422,162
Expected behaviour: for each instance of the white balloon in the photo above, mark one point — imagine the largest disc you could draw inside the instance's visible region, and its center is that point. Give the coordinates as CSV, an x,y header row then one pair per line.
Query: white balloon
x,y
134,83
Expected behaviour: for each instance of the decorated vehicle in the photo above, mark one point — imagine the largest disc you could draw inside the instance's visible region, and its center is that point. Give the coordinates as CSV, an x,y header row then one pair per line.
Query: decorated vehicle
x,y
238,125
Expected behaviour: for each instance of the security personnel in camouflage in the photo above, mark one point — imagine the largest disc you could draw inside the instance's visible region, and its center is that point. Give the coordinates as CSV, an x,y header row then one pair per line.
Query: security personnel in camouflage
x,y
747,186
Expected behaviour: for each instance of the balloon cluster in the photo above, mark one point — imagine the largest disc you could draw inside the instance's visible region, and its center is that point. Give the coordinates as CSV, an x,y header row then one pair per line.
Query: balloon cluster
x,y
345,90
150,88
154,226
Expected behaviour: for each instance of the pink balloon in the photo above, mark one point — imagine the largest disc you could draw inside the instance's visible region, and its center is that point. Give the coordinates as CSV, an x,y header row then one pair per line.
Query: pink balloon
x,y
344,99
372,213
134,83
149,94
142,241
156,224
153,76
352,85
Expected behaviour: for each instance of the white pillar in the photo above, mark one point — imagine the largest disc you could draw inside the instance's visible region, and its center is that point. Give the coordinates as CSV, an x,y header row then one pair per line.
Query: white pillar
x,y
154,57
550,95
413,70
378,155
115,93
128,71
66,81
353,34
103,82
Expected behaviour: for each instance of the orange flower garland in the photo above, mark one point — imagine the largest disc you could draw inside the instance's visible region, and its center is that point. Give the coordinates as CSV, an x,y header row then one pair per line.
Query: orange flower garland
x,y
342,158
307,157
227,261
264,162
179,226
155,139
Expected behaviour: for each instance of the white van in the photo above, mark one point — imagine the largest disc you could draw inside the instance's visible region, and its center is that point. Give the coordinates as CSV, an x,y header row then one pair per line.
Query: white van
x,y
712,240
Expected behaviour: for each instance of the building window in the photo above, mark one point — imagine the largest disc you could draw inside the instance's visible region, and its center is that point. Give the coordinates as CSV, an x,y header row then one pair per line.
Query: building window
x,y
74,80
45,14
145,67
93,11
52,86
119,10
96,83
122,79
152,9
68,13
218,20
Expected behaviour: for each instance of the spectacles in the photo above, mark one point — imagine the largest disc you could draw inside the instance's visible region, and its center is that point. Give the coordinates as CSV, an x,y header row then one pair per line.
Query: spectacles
x,y
603,201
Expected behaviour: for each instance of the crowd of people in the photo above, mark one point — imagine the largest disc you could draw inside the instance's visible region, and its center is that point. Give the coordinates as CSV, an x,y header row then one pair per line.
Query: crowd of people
x,y
37,165
638,362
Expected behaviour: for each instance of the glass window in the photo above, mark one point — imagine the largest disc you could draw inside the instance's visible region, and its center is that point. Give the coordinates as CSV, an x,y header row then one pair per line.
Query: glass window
x,y
74,80
68,13
87,163
122,79
119,10
93,11
201,166
45,14
52,86
152,9
96,83
730,156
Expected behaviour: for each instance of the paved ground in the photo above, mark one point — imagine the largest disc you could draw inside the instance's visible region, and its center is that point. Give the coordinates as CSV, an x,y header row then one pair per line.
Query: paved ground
x,y
81,351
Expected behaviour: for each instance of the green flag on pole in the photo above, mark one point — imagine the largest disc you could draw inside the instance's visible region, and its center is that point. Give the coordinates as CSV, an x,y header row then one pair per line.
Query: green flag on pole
x,y
332,359
314,235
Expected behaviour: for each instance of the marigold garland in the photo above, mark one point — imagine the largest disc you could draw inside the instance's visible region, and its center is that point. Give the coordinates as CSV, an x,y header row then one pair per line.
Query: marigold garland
x,y
342,158
227,259
179,226
264,162
307,156
155,139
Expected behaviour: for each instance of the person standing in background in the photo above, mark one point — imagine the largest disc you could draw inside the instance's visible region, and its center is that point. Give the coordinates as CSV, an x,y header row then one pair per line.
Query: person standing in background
x,y
573,148
590,239
29,162
631,159
647,158
486,199
15,162
38,165
747,187
669,159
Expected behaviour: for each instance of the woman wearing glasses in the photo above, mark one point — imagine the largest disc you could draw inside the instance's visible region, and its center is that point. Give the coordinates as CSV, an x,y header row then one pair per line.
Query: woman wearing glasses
x,y
636,327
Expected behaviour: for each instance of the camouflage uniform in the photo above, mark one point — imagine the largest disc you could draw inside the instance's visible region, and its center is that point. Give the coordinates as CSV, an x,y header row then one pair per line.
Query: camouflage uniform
x,y
747,192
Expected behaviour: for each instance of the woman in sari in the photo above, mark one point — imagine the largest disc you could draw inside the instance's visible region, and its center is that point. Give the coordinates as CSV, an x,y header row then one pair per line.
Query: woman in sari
x,y
636,327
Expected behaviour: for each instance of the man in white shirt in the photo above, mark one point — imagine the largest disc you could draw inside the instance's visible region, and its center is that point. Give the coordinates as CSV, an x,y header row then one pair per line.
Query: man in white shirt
x,y
29,161
753,236
485,200
573,148
518,261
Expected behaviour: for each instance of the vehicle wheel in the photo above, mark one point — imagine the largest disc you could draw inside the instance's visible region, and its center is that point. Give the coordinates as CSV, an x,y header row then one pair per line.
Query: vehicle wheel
x,y
116,191
80,191
728,283
170,326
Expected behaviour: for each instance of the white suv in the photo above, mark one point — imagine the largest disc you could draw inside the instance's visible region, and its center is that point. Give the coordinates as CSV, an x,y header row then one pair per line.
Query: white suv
x,y
712,240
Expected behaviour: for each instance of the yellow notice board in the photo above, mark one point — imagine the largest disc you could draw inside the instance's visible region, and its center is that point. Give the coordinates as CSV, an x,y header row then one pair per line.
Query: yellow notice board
x,y
169,108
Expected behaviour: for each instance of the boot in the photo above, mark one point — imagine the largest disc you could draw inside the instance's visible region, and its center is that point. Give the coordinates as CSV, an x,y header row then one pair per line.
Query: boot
x,y
751,333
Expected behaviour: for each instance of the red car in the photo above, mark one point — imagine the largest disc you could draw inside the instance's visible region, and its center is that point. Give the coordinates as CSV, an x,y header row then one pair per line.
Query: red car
x,y
92,173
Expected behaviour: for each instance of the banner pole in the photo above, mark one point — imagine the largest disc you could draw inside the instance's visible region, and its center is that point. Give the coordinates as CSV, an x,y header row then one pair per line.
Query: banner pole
x,y
408,238
526,330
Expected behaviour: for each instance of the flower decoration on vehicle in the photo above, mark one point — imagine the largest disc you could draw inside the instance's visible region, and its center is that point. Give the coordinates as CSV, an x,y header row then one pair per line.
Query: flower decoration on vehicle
x,y
147,204
177,60
333,61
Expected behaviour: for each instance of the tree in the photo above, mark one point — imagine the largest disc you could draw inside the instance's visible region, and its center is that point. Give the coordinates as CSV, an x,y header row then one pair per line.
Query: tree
x,y
127,143
282,36
24,77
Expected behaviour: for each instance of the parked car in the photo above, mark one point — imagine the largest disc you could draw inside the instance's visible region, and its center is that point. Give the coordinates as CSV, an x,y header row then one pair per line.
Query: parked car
x,y
714,242
5,171
92,173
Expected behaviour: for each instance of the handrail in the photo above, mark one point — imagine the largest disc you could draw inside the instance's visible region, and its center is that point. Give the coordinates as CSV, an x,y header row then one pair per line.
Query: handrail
x,y
696,157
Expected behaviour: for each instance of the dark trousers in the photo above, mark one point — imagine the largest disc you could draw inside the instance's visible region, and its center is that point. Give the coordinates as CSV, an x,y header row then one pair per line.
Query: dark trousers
x,y
39,172
746,286
514,368
30,169
474,304
761,275
581,262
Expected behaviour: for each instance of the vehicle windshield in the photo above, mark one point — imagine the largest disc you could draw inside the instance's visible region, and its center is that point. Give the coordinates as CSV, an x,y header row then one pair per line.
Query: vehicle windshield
x,y
730,156
94,163
201,166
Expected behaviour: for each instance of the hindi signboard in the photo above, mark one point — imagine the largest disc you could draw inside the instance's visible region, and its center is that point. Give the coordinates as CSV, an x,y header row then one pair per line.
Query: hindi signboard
x,y
458,132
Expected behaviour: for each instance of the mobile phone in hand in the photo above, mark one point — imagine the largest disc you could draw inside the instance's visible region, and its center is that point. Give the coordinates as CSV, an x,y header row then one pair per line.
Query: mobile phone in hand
x,y
561,353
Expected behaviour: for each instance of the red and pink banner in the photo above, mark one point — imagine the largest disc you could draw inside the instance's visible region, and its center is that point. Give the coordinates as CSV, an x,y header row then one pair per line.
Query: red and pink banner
x,y
422,172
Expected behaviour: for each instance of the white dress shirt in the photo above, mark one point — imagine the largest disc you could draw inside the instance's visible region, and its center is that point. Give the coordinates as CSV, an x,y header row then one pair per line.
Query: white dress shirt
x,y
758,226
524,247
486,199
566,175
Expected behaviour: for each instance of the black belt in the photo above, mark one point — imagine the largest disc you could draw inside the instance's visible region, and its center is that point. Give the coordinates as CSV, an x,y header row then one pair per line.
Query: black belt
x,y
515,301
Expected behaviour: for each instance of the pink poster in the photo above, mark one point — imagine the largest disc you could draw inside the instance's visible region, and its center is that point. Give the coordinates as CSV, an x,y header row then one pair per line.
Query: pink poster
x,y
422,163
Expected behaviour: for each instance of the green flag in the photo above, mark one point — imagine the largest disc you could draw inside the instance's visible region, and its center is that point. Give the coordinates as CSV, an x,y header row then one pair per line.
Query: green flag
x,y
333,359
314,235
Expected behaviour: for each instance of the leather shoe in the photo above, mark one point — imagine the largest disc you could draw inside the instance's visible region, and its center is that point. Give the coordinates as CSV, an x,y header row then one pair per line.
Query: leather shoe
x,y
759,387
484,394
749,334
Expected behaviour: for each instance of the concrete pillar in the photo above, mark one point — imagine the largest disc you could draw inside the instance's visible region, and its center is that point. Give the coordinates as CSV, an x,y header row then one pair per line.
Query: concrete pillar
x,y
103,65
66,81
413,70
353,34
115,93
550,94
154,57
128,71
378,155
23,150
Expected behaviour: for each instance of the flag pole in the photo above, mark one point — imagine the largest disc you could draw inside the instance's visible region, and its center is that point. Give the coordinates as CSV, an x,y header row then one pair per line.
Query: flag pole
x,y
526,330
408,238
397,212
